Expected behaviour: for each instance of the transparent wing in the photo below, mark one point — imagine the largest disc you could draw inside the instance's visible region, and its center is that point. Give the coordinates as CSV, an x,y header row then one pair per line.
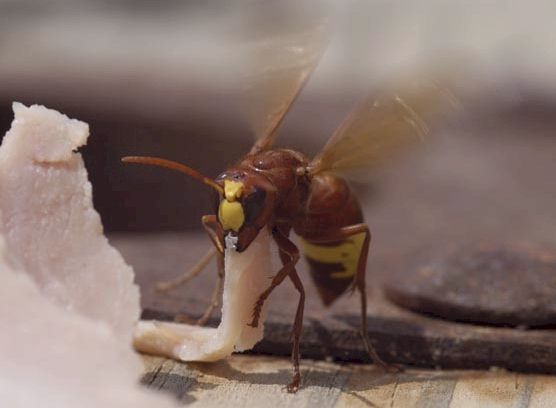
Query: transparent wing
x,y
279,60
384,125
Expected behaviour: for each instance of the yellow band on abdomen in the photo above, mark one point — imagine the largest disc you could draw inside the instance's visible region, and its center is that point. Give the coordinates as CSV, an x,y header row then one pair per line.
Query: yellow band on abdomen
x,y
346,254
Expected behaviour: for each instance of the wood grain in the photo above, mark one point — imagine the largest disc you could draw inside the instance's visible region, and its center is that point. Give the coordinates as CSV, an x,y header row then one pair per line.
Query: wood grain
x,y
399,335
252,381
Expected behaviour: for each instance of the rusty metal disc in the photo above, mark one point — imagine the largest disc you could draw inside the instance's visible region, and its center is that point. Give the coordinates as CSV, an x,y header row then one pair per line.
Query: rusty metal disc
x,y
499,285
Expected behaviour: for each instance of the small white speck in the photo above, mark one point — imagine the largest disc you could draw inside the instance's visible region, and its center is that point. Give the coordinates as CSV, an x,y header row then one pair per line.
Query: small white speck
x,y
231,241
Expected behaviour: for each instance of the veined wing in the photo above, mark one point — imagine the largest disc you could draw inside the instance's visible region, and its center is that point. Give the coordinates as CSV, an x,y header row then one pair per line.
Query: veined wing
x,y
279,62
383,125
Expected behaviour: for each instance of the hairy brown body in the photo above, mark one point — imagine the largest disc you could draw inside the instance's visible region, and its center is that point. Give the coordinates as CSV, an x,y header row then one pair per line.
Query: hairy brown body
x,y
282,190
316,207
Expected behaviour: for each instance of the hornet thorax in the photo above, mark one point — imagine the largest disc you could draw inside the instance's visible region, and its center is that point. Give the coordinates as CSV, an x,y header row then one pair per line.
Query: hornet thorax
x,y
264,188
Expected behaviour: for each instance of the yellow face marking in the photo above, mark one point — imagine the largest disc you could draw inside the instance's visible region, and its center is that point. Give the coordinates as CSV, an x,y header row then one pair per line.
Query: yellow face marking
x,y
232,189
231,215
347,254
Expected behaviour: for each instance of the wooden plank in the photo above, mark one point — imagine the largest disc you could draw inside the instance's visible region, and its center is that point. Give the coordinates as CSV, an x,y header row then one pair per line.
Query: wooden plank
x,y
368,387
241,381
399,336
371,387
244,380
492,389
543,392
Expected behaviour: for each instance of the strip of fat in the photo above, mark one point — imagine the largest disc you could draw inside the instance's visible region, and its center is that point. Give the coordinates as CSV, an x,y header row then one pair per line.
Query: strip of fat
x,y
67,299
53,357
246,277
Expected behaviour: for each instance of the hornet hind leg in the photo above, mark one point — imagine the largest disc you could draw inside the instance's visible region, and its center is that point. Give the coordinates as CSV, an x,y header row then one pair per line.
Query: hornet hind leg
x,y
359,283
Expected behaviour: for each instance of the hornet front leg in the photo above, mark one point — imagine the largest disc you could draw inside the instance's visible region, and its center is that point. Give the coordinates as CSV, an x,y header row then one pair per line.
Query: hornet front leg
x,y
289,255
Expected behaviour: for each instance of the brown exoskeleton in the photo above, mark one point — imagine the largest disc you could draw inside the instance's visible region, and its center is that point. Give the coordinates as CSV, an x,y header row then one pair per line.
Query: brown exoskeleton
x,y
283,190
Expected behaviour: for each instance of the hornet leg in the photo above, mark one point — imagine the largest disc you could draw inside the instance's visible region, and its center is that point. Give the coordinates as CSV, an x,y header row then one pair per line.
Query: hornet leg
x,y
215,298
297,327
287,252
285,245
212,227
359,283
188,275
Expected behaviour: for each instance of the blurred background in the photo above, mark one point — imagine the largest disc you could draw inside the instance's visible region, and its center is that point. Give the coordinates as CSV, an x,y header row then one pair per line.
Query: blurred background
x,y
184,80
164,78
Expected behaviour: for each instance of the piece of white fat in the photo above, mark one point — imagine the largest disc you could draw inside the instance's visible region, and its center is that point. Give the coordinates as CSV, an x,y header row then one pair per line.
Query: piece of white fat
x,y
52,357
67,299
50,224
246,277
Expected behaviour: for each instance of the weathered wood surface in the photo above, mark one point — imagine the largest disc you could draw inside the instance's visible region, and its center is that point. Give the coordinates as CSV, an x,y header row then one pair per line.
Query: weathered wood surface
x,y
399,335
248,381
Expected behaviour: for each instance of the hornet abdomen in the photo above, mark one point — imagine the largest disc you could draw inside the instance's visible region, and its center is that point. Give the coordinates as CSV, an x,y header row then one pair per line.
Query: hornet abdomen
x,y
333,264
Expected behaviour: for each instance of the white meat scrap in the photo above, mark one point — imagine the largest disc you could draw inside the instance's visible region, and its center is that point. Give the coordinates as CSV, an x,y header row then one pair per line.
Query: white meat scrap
x,y
52,357
50,223
68,304
67,299
246,277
